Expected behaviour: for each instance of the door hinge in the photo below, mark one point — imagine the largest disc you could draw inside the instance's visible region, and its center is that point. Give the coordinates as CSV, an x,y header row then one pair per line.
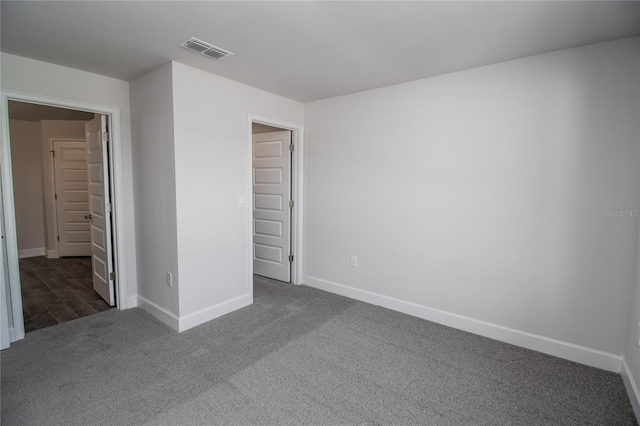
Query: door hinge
x,y
58,237
291,204
53,152
112,275
105,136
290,147
290,258
55,196
108,207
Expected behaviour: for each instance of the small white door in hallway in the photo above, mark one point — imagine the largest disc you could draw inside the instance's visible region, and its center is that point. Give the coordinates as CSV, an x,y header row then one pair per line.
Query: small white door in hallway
x,y
271,210
100,209
72,197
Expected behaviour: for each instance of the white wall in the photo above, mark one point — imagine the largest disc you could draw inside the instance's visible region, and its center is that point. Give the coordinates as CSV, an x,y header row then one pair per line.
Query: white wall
x,y
478,198
26,159
213,169
40,78
52,130
155,189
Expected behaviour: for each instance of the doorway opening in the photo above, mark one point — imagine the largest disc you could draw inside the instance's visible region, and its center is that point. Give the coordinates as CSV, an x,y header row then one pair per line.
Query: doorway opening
x,y
275,207
60,173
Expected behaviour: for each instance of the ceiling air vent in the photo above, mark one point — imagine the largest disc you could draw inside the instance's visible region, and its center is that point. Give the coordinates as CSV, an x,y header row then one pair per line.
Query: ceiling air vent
x,y
205,48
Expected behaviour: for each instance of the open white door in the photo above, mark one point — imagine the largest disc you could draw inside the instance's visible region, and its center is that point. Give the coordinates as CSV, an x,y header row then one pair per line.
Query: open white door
x,y
100,209
72,198
271,208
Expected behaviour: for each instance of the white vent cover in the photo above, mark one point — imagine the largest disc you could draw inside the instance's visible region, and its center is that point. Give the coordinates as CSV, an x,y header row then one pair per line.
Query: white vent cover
x,y
205,48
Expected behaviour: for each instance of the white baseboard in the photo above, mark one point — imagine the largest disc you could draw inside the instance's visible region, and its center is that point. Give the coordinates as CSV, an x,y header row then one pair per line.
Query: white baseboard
x,y
31,252
159,312
186,322
131,302
207,314
565,350
632,388
51,254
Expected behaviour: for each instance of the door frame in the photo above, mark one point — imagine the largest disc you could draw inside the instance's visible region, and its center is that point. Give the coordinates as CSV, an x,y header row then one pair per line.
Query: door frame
x,y
6,191
297,163
5,330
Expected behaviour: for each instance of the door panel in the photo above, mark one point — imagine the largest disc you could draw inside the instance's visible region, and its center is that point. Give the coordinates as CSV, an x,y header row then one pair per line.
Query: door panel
x,y
268,253
102,259
72,197
271,212
267,202
269,228
268,176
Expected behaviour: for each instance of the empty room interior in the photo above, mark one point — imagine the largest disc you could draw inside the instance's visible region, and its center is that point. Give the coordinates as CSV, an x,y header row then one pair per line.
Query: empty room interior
x,y
320,212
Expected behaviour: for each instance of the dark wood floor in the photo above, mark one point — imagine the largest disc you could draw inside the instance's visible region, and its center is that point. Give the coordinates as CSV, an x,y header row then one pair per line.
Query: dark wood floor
x,y
57,290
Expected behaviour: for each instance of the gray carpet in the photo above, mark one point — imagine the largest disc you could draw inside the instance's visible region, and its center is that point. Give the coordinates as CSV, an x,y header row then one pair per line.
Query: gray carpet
x,y
296,356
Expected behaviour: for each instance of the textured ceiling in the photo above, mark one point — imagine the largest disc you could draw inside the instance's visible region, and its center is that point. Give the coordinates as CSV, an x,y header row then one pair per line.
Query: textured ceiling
x,y
307,50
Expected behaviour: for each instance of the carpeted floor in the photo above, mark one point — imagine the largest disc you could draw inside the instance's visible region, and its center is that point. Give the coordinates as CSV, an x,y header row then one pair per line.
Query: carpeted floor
x,y
296,356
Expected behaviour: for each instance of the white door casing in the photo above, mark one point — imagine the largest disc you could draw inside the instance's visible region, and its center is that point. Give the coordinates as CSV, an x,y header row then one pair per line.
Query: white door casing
x,y
100,208
4,279
271,164
72,198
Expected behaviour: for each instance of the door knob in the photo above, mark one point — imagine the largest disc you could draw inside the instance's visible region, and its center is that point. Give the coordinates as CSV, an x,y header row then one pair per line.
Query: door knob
x,y
88,216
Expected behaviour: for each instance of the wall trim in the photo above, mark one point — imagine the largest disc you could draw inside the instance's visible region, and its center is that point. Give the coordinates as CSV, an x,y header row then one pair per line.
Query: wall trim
x,y
31,252
194,319
159,312
132,302
207,314
558,348
632,388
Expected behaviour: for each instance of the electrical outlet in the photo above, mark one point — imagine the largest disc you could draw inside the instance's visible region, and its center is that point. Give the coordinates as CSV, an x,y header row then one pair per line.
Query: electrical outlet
x,y
354,260
169,279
